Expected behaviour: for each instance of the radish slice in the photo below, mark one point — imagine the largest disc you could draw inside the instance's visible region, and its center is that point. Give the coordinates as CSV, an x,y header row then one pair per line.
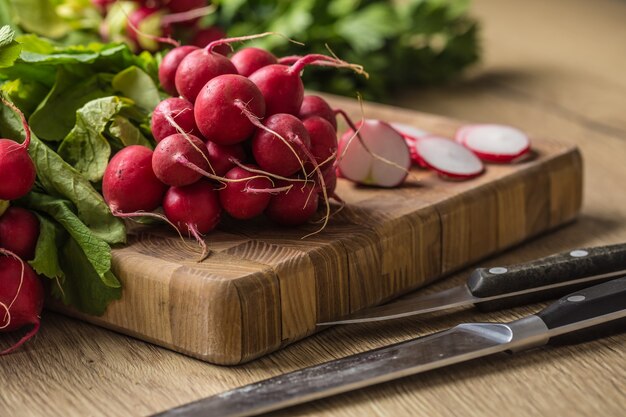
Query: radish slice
x,y
387,162
411,135
494,143
448,158
409,132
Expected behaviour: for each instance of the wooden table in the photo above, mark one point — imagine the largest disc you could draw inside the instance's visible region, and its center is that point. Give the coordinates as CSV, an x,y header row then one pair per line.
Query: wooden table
x,y
553,68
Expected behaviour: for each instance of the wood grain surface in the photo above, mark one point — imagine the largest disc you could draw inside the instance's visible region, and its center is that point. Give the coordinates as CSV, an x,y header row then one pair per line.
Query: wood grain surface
x,y
265,286
552,68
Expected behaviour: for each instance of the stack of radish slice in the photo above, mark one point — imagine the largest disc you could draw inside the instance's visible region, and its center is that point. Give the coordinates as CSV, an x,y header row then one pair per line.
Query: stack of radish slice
x,y
494,143
462,159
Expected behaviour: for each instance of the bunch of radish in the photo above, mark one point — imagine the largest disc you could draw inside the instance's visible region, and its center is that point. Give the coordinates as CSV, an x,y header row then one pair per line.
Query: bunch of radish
x,y
145,23
463,157
21,291
238,136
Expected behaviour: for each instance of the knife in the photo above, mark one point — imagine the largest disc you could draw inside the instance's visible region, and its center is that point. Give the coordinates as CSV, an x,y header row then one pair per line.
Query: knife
x,y
585,314
505,287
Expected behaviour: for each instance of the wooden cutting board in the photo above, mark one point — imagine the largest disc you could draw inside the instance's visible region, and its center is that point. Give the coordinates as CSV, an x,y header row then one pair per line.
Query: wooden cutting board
x,y
265,287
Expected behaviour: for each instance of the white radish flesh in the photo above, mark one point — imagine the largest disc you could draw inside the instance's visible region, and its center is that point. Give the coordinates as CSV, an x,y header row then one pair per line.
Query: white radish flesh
x,y
411,135
494,143
448,158
384,161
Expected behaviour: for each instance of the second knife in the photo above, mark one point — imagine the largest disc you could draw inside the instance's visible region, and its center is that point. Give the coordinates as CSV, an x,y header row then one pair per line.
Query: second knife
x,y
504,287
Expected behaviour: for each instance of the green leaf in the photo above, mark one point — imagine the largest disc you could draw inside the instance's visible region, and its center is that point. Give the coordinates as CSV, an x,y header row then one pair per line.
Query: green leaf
x,y
127,133
85,147
96,250
138,86
40,16
367,29
83,288
59,179
25,94
46,260
68,94
9,49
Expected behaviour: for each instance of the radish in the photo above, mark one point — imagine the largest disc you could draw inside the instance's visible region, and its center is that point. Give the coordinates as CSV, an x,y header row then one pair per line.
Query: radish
x,y
129,184
198,68
411,135
182,6
177,158
222,157
323,140
282,147
172,115
19,232
248,60
203,37
201,66
245,199
195,208
379,157
17,170
494,143
21,297
227,109
295,206
448,158
282,87
145,27
169,65
317,106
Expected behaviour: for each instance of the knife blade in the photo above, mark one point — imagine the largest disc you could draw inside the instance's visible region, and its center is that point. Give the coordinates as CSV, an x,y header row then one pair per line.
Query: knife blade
x,y
505,287
580,314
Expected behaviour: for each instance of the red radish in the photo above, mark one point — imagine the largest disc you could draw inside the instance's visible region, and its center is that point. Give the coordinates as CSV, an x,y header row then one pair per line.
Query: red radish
x,y
448,158
380,157
19,232
330,182
182,6
295,206
168,114
175,158
245,199
198,68
317,106
203,37
21,297
282,87
195,208
227,109
145,27
248,60
129,184
494,143
169,65
323,140
17,170
282,148
222,157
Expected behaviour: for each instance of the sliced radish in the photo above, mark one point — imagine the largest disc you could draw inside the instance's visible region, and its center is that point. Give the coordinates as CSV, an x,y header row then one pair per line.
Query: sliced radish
x,y
494,143
411,135
448,158
384,161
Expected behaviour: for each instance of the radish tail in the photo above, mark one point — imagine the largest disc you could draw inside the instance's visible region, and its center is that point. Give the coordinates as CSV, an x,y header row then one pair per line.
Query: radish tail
x,y
24,339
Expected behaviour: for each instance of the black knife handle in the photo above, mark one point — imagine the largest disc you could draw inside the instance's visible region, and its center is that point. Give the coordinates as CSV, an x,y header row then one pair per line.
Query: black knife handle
x,y
608,297
562,267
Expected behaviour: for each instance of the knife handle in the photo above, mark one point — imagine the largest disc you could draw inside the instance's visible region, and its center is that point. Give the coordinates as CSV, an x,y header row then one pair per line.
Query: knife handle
x,y
554,269
589,303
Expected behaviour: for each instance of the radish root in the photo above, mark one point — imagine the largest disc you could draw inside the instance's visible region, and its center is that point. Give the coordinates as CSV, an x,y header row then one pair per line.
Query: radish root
x,y
188,15
180,130
7,315
193,229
